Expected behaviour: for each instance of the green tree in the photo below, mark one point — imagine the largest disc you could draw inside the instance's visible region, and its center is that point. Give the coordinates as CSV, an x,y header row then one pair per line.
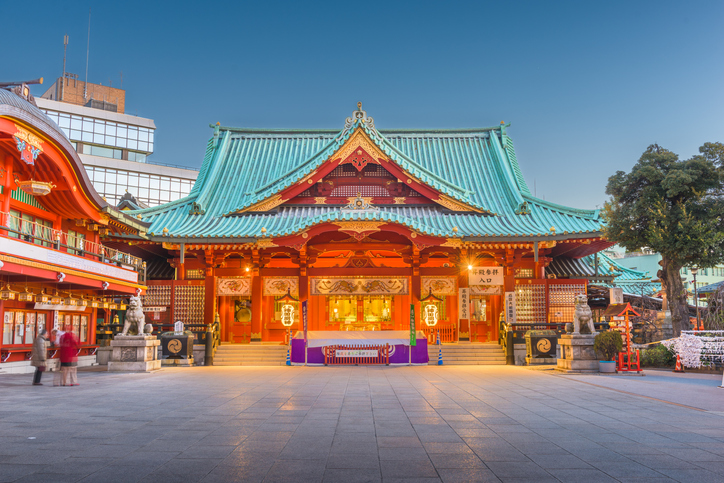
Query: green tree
x,y
675,208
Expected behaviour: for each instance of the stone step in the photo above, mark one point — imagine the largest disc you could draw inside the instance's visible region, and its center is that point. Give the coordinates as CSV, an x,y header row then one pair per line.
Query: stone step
x,y
250,355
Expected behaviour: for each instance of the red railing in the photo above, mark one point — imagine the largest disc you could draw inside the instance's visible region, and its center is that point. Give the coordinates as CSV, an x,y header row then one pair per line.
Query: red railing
x,y
75,245
448,333
355,355
628,361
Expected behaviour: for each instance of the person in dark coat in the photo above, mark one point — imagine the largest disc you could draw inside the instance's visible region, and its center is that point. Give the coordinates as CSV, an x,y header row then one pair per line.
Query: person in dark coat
x,y
69,358
39,356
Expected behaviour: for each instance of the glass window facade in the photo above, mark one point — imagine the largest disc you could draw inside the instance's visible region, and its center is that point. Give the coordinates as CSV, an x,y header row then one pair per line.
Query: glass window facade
x,y
150,189
108,133
103,152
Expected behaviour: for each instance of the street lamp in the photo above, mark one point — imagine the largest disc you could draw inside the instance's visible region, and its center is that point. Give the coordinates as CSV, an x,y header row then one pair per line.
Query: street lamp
x,y
694,271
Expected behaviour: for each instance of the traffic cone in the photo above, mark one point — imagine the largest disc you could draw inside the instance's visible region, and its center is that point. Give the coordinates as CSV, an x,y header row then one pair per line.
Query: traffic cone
x,y
679,367
439,356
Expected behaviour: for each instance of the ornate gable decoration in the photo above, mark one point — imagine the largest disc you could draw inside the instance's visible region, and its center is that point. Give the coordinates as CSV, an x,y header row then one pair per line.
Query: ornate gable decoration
x,y
359,150
360,205
358,115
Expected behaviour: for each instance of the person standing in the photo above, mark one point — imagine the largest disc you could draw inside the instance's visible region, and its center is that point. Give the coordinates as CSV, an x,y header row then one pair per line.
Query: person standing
x,y
39,356
69,359
55,336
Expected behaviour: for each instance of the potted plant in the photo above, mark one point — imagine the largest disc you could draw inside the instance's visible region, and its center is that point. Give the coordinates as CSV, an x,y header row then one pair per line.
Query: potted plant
x,y
608,344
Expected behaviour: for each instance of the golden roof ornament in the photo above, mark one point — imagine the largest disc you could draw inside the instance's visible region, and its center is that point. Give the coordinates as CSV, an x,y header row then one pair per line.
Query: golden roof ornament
x,y
358,117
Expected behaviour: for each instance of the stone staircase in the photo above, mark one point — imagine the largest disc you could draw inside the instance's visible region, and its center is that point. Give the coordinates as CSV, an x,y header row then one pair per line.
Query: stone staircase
x,y
250,355
488,353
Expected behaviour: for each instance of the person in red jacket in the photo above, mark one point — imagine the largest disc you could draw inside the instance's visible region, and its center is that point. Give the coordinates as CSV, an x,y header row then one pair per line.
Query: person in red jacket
x,y
69,358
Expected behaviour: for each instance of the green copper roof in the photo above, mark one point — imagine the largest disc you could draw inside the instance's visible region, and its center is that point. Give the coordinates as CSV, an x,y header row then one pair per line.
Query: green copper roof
x,y
478,167
623,274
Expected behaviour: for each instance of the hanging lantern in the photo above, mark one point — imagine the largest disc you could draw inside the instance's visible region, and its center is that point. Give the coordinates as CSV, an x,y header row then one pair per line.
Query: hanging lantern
x,y
430,313
56,299
113,306
36,188
69,300
287,309
103,304
82,302
122,307
26,296
7,293
42,297
94,304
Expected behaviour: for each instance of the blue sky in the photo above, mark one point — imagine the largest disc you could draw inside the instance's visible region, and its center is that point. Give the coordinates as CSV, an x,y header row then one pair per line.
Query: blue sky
x,y
586,85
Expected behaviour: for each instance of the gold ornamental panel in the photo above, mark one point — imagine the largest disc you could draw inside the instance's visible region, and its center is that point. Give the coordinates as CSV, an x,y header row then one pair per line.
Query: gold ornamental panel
x,y
439,286
485,290
359,226
233,286
278,286
359,286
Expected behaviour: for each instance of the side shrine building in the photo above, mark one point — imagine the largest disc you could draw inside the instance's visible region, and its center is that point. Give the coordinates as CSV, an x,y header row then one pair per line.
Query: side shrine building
x,y
360,223
55,270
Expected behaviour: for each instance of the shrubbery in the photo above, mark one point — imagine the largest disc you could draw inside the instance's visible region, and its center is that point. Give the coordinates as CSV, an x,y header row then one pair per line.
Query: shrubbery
x,y
608,344
657,356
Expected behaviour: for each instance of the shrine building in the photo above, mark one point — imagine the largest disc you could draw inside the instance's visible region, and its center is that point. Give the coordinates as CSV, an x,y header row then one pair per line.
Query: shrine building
x,y
361,223
55,271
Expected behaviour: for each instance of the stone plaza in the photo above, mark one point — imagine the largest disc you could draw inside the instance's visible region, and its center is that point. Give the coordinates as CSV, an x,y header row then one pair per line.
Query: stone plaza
x,y
363,424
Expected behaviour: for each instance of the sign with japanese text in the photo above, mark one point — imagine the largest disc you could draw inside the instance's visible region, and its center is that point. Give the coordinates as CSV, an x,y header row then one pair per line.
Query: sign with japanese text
x,y
356,353
178,328
154,309
304,321
485,276
510,307
413,334
464,303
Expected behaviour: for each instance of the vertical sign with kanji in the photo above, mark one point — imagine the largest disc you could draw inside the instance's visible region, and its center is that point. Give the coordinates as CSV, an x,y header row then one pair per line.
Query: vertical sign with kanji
x,y
510,307
304,327
413,334
304,321
464,303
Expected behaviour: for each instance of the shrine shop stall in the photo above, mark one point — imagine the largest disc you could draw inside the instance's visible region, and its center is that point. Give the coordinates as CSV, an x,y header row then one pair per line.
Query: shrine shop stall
x,y
55,271
362,225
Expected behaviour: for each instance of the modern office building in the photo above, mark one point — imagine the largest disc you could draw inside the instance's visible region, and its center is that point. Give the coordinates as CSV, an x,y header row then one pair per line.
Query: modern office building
x,y
114,146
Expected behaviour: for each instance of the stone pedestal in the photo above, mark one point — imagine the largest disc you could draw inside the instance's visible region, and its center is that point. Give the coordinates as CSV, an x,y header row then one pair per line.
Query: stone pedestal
x,y
577,354
103,355
134,353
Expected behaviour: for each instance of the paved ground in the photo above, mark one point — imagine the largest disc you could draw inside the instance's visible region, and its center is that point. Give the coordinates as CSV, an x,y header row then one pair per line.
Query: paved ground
x,y
362,424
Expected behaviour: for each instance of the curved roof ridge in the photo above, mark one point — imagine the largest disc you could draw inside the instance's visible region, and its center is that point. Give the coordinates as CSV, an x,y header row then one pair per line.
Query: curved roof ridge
x,y
157,210
565,209
632,273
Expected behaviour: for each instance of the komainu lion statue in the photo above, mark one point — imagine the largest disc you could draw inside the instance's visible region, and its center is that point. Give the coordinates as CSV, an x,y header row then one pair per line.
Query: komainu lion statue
x,y
134,316
583,317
